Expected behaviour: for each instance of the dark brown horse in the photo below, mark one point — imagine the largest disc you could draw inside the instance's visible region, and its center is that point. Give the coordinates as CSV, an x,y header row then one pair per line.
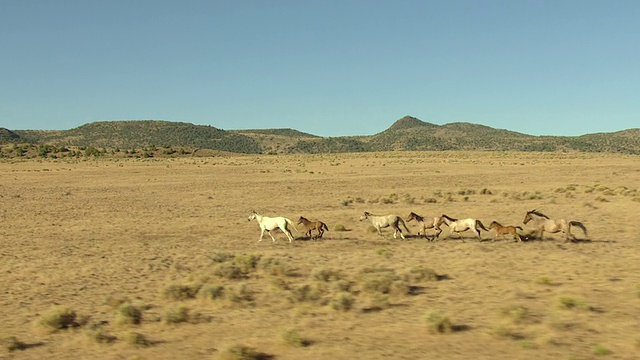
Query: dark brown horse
x,y
505,230
317,225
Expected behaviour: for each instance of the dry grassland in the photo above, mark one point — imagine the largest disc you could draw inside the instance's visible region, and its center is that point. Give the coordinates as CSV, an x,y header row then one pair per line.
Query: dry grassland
x,y
155,259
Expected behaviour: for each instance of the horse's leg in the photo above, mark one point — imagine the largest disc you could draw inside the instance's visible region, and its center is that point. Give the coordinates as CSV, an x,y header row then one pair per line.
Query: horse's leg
x,y
438,232
396,230
568,236
272,238
261,234
286,231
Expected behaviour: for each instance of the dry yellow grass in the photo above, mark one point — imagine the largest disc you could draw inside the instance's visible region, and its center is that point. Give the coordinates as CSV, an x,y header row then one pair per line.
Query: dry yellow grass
x,y
79,234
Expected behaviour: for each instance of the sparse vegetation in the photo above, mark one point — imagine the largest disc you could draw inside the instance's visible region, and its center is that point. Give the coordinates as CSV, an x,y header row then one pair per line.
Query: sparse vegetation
x,y
241,352
342,301
136,339
544,280
11,343
176,315
438,323
58,318
601,350
569,302
181,292
293,338
339,227
129,314
82,229
326,275
99,335
419,274
211,292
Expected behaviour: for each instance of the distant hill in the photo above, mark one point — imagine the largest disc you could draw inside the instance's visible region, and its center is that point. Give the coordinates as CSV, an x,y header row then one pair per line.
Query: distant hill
x,y
138,134
277,132
7,135
412,134
407,133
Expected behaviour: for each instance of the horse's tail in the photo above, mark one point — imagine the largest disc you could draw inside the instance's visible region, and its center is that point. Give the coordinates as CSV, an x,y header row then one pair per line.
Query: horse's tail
x,y
580,225
481,225
289,222
403,224
324,226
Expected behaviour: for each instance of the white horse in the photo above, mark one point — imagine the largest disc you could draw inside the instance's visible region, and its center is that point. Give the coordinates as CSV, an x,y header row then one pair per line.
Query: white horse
x,y
383,221
458,226
270,223
542,223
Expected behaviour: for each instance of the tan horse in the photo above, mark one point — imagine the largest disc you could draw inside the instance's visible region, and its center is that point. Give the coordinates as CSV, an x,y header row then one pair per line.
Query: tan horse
x,y
541,223
431,223
383,221
317,225
458,226
505,230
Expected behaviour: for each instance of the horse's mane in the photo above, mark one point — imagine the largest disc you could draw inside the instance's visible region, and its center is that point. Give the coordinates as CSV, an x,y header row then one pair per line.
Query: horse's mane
x,y
538,213
416,216
448,217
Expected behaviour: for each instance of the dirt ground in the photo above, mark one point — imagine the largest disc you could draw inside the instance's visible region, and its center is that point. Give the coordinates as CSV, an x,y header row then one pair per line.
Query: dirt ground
x,y
92,235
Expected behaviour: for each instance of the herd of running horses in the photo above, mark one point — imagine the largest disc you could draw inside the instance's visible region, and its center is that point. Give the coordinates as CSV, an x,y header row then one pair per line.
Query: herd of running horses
x,y
537,222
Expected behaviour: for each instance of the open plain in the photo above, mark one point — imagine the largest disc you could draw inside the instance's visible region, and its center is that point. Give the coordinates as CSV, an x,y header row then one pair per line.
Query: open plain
x,y
155,259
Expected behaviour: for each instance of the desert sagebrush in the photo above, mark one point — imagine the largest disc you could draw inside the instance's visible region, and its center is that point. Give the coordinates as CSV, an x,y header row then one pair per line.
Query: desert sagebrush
x,y
58,318
129,314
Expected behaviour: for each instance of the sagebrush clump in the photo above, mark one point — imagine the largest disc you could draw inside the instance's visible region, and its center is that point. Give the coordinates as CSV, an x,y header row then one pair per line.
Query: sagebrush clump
x,y
58,318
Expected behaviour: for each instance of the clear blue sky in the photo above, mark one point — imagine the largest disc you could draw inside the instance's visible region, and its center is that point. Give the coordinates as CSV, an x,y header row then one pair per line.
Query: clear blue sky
x,y
330,68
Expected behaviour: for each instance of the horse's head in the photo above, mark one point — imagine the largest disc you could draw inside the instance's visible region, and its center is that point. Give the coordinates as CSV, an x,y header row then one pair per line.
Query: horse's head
x,y
411,216
252,216
532,214
364,216
301,219
494,224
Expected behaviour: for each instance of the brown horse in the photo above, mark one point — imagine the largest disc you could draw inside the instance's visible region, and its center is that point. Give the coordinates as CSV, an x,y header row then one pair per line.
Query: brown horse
x,y
431,223
505,230
319,226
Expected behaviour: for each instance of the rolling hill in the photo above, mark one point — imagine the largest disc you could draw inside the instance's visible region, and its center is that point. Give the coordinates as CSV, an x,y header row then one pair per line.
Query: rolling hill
x,y
405,134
